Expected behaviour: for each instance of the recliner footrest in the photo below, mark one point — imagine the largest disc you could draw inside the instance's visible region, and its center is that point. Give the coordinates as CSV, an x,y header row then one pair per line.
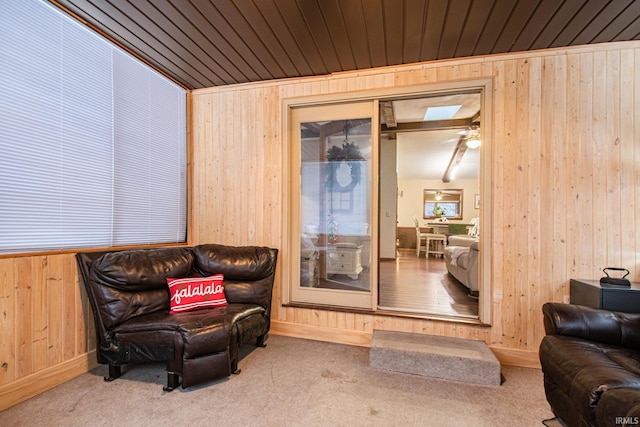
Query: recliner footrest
x,y
206,368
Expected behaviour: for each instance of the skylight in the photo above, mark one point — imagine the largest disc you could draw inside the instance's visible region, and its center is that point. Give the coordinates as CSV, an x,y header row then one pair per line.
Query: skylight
x,y
441,113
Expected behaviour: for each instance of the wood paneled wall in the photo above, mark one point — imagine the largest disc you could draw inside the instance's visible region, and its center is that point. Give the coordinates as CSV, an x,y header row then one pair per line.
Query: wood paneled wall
x,y
564,184
46,326
565,179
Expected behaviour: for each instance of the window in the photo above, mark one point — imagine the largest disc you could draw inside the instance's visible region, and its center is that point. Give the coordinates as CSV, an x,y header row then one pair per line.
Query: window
x,y
442,203
92,141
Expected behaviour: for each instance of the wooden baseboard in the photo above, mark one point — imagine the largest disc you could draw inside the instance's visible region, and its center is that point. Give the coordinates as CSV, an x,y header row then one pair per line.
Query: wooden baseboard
x,y
321,333
506,356
517,357
25,388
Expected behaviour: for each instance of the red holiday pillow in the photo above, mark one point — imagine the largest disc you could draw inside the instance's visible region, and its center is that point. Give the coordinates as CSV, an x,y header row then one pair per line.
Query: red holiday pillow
x,y
194,293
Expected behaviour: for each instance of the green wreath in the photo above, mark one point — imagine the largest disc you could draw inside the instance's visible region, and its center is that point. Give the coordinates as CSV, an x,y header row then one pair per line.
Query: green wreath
x,y
336,155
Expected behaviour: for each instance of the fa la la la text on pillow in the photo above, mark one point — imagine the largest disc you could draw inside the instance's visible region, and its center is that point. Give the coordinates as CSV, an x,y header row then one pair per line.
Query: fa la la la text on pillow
x,y
194,293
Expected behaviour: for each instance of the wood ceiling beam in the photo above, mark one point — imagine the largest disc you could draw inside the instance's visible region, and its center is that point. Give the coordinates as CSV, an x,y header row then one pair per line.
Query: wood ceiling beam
x,y
339,126
458,152
334,127
430,125
388,114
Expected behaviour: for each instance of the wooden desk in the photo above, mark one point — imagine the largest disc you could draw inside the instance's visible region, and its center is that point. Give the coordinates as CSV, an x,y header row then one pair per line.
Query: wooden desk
x,y
616,298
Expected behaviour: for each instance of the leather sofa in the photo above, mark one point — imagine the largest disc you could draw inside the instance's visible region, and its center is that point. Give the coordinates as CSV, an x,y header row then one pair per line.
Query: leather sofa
x,y
591,364
462,263
130,298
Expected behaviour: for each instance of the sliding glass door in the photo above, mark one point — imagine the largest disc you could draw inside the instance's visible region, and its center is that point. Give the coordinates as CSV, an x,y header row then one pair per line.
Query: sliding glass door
x,y
334,204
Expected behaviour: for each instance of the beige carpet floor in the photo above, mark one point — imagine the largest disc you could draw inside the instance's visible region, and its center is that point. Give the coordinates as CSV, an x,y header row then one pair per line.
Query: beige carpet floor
x,y
291,382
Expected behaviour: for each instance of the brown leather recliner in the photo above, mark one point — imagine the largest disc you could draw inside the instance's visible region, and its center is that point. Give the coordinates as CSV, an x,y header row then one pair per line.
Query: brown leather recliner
x,y
591,364
129,296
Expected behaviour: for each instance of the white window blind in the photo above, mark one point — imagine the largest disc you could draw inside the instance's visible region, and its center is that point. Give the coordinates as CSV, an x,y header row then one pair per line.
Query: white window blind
x,y
92,141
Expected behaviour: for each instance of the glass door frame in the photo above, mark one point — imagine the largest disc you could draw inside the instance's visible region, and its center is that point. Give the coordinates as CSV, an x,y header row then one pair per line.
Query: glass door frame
x,y
361,299
485,85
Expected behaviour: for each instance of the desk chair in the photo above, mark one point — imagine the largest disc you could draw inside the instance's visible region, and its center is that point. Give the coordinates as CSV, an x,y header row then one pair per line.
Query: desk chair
x,y
436,244
420,237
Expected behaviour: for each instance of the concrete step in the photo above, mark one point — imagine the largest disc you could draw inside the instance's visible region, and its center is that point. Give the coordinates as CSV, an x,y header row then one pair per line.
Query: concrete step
x,y
454,359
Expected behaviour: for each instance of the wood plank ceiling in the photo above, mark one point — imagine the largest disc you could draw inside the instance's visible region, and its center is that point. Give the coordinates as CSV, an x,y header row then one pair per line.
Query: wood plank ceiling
x,y
204,43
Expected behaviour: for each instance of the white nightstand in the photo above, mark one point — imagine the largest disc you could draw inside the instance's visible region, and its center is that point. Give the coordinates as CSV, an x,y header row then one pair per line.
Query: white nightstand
x,y
344,258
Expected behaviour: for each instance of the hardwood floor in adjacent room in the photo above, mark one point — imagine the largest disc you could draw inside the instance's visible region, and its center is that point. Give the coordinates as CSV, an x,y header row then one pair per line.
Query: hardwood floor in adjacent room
x,y
421,285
